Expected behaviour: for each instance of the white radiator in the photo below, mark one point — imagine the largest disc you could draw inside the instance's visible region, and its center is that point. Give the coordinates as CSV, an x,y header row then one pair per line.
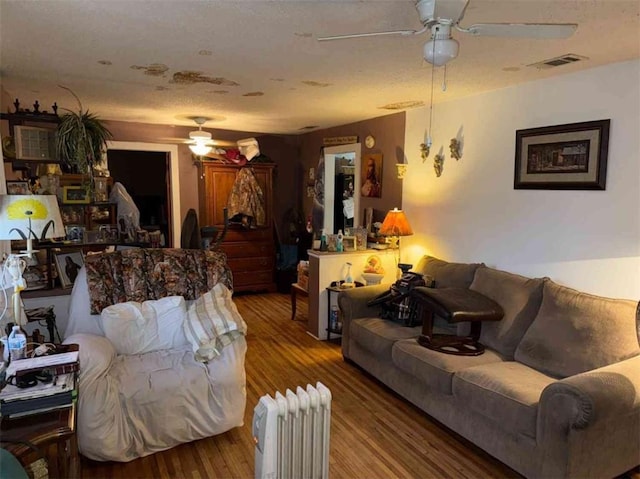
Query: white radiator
x,y
291,433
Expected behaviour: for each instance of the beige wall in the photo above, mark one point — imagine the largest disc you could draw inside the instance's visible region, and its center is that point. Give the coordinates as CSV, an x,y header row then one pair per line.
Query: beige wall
x,y
588,240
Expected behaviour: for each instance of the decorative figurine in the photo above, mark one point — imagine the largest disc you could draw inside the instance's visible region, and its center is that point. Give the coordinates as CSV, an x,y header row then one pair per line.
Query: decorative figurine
x,y
438,163
424,151
454,147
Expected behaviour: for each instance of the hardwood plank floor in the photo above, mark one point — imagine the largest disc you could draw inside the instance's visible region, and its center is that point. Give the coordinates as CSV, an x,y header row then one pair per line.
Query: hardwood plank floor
x,y
374,432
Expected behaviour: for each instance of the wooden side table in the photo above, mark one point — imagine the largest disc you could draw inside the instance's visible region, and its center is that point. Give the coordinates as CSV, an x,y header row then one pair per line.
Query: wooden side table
x,y
53,432
296,290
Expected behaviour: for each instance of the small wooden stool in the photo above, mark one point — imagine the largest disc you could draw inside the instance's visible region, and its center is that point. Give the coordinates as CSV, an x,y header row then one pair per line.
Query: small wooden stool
x,y
296,290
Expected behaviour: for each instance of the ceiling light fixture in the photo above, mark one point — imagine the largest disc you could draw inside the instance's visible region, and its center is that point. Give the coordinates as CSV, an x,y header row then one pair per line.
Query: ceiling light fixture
x,y
441,48
437,51
201,138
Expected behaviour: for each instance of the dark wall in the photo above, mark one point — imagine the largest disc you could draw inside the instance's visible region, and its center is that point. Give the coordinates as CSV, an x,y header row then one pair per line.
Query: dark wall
x,y
388,132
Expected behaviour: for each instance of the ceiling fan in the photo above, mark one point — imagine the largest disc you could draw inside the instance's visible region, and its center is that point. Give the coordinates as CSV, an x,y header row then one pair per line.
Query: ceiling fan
x,y
441,16
201,142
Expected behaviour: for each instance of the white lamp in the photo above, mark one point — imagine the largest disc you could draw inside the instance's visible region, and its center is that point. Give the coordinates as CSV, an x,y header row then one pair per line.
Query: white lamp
x,y
27,217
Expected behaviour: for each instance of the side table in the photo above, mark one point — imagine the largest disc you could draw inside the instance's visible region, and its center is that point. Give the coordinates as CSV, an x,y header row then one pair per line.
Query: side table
x,y
296,290
53,432
335,288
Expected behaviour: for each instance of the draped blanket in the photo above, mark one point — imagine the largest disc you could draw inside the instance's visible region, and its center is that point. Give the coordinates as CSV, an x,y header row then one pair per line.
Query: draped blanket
x,y
140,274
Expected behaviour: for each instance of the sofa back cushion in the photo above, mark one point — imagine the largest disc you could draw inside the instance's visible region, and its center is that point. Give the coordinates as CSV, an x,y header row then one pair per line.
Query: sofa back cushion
x,y
520,299
575,332
445,274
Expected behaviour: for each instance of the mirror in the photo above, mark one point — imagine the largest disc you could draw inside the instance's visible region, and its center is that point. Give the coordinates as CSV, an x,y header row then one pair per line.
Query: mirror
x,y
341,187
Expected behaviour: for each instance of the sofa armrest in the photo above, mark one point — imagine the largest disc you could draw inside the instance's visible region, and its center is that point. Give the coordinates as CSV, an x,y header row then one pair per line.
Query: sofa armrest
x,y
96,355
595,410
597,395
353,305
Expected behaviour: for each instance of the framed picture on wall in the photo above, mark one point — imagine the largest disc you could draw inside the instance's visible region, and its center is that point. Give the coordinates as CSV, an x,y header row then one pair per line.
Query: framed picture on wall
x,y
68,263
371,175
562,157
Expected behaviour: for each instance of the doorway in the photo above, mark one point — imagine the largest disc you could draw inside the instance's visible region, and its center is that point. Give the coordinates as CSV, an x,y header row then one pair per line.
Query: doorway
x,y
146,177
174,179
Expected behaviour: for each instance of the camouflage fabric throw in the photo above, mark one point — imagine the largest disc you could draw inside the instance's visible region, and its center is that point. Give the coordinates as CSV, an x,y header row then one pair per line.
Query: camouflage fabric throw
x,y
140,274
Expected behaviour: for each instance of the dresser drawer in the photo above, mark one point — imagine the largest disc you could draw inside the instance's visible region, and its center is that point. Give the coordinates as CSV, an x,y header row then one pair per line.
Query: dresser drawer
x,y
251,278
239,265
247,249
257,234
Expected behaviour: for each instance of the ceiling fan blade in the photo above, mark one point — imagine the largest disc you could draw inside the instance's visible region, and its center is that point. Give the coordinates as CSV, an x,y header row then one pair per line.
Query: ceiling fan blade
x,y
523,30
373,34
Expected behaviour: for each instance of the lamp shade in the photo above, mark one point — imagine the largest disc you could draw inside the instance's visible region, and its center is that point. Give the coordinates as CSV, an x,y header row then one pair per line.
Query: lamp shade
x,y
200,148
395,224
30,217
438,52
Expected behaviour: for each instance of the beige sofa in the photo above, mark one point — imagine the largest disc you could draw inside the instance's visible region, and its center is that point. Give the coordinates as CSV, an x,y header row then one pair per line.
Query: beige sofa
x,y
557,391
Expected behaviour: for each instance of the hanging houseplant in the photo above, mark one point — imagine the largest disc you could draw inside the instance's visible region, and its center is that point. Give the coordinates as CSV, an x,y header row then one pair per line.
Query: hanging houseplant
x,y
81,139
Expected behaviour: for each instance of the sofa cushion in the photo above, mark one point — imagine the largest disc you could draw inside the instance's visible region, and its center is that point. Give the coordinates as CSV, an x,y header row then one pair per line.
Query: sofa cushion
x,y
445,274
378,335
433,368
520,299
507,393
575,332
213,322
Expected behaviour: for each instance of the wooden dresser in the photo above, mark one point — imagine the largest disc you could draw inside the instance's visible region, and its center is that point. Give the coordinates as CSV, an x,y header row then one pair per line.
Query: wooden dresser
x,y
251,252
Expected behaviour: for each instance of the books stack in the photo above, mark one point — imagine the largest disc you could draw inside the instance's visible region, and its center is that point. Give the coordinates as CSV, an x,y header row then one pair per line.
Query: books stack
x,y
59,391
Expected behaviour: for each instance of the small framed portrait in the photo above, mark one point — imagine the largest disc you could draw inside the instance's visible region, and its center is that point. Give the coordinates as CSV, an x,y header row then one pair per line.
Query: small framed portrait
x,y
142,236
68,264
75,233
100,193
349,243
18,187
75,195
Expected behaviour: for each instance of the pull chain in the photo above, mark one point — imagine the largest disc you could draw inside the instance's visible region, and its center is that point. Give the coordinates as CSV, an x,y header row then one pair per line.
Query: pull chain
x,y
444,78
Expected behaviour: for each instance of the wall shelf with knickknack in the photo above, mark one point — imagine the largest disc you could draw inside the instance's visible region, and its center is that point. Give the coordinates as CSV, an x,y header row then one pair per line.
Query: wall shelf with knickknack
x,y
31,139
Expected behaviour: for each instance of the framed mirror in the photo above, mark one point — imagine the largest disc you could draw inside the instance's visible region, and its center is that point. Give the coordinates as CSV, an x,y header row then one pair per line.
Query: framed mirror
x,y
341,187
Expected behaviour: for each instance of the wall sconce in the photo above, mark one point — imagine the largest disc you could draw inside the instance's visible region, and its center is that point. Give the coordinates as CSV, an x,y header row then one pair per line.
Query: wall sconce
x,y
402,170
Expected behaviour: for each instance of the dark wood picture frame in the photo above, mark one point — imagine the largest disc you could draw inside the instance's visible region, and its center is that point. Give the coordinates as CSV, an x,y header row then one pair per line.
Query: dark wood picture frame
x,y
562,157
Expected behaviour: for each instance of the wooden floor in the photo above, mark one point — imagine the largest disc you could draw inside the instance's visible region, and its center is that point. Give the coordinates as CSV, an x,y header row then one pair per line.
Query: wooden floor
x,y
374,433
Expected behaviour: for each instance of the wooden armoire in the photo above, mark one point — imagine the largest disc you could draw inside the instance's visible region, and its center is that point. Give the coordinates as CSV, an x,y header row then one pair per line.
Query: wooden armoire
x,y
251,252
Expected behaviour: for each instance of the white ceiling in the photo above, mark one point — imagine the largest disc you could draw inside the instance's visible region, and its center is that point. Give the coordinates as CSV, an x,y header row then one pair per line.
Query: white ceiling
x,y
120,56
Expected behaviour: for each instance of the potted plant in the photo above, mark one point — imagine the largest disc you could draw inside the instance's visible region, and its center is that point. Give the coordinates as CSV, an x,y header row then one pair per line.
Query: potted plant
x,y
81,139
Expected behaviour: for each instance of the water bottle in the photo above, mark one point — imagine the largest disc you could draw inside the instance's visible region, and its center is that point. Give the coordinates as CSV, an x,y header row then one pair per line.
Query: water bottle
x,y
339,246
17,344
333,321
